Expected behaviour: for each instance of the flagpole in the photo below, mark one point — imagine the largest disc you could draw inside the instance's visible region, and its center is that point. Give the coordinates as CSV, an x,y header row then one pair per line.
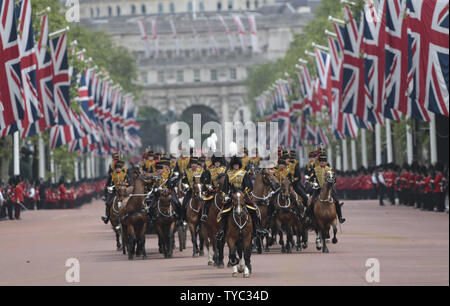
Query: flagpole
x,y
390,153
354,157
16,153
83,173
378,144
364,148
344,155
52,166
41,156
409,144
75,168
433,140
338,157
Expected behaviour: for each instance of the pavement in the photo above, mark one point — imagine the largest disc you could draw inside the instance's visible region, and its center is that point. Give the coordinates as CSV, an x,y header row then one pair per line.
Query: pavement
x,y
410,247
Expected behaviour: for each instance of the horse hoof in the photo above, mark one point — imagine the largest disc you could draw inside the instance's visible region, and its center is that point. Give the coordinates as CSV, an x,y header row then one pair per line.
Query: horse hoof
x,y
289,251
246,275
195,255
221,265
144,257
283,251
235,274
334,240
299,249
210,263
202,253
229,264
305,245
267,250
325,250
118,249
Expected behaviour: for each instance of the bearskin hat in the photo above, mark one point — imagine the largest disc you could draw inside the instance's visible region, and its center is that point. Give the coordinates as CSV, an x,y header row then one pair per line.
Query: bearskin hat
x,y
164,161
323,157
119,164
216,159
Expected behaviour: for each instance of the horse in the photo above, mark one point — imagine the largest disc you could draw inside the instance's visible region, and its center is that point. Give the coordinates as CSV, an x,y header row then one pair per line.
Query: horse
x,y
263,188
285,216
211,226
133,217
325,214
114,212
165,222
193,219
239,235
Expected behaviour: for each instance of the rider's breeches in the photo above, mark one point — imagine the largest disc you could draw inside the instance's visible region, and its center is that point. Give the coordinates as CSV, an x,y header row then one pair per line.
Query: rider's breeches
x,y
300,191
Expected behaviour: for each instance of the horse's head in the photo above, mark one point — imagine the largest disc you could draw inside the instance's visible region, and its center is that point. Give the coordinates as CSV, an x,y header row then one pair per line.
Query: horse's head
x,y
198,190
269,179
330,178
238,200
121,191
286,187
165,194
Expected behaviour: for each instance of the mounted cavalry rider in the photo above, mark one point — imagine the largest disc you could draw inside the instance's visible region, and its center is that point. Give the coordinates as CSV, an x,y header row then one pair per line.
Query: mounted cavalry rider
x,y
149,162
193,175
283,171
118,177
296,177
216,170
164,178
236,177
318,180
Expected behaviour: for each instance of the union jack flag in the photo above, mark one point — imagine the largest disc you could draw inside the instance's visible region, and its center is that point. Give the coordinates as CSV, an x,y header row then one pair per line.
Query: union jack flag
x,y
61,81
396,59
428,61
374,22
353,79
11,101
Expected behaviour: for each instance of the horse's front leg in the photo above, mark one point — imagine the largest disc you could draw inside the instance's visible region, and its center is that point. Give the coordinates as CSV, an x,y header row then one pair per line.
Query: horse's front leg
x,y
194,240
118,245
324,248
172,239
233,259
319,240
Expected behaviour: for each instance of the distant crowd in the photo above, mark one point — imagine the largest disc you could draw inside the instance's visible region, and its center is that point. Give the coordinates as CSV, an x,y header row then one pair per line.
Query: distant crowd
x,y
18,194
419,186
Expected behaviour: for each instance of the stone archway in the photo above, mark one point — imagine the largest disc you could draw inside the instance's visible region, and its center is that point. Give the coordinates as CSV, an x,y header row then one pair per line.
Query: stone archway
x,y
153,131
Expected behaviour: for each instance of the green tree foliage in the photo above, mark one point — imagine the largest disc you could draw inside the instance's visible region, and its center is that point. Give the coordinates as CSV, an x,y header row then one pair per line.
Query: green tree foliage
x,y
114,61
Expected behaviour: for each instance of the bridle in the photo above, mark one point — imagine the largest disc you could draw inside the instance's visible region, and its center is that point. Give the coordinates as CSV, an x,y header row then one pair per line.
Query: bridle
x,y
239,211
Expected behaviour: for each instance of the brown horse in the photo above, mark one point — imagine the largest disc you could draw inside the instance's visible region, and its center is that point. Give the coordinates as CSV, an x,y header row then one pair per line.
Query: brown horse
x,y
263,189
285,217
325,214
211,226
193,208
165,221
133,217
114,212
239,235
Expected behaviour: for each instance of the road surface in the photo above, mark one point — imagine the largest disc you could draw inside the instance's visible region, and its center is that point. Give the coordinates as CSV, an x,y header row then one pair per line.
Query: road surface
x,y
412,248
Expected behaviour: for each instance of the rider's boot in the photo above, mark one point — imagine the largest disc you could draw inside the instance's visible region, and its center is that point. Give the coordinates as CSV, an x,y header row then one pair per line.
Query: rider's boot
x,y
205,211
257,229
220,235
339,211
106,218
309,214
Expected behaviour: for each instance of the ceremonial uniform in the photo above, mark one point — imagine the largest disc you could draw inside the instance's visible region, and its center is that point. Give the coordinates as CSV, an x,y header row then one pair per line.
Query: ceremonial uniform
x,y
116,178
190,177
214,172
318,177
237,178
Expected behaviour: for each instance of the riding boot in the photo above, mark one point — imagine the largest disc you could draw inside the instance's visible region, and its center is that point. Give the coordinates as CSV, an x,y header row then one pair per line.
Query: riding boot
x,y
106,218
257,229
339,212
309,214
220,235
205,211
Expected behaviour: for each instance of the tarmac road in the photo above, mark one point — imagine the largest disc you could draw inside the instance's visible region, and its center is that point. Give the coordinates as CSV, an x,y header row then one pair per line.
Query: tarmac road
x,y
412,248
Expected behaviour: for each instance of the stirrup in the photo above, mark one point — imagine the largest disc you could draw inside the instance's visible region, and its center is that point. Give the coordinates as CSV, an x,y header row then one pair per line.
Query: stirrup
x,y
105,219
204,218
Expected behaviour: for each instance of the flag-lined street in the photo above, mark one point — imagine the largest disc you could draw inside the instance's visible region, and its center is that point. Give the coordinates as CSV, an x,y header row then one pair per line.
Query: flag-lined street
x,y
412,248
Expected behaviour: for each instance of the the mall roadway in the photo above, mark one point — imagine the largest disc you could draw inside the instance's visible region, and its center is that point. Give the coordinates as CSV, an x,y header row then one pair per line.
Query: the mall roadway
x,y
411,246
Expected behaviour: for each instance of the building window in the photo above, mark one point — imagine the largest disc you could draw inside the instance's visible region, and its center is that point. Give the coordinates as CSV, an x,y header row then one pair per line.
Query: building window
x,y
189,6
230,5
214,75
196,75
201,7
233,74
160,8
256,4
92,12
144,78
169,53
248,4
161,76
143,9
118,10
219,6
180,76
109,11
133,9
98,11
172,8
